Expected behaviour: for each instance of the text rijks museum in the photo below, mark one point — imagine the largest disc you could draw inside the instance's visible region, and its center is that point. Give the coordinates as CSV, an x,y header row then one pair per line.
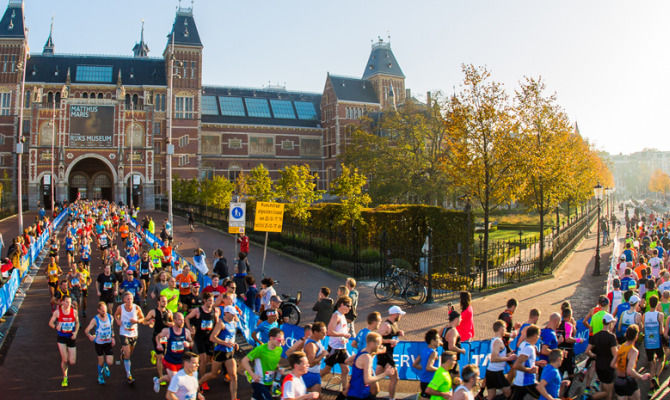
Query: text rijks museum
x,y
105,117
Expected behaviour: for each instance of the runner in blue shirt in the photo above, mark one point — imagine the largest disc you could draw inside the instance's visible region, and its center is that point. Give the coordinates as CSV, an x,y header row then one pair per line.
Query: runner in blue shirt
x,y
132,285
550,383
374,321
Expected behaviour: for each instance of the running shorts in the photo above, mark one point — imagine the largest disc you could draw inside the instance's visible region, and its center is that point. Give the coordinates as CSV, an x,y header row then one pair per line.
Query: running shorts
x,y
311,378
385,359
624,386
172,367
67,341
104,349
336,356
128,340
223,356
496,380
651,352
605,375
203,345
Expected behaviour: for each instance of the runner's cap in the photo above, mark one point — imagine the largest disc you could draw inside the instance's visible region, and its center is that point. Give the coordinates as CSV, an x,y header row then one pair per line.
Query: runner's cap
x,y
607,318
396,310
633,300
230,309
623,257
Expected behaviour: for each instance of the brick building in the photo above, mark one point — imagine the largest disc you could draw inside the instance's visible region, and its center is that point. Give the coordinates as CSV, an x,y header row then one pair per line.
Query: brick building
x,y
102,123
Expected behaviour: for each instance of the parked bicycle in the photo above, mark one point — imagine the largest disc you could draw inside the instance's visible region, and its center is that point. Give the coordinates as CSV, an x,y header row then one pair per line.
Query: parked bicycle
x,y
401,283
289,308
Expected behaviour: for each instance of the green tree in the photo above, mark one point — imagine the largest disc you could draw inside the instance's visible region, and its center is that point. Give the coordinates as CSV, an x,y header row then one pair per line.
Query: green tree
x,y
242,185
259,184
349,188
482,147
216,192
401,153
296,187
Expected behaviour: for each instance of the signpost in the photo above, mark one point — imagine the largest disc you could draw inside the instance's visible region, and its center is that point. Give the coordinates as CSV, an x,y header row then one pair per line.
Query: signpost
x,y
237,216
269,218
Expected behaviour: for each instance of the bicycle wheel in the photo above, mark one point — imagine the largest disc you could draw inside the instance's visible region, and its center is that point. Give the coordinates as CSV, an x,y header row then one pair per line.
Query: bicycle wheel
x,y
415,293
384,289
291,312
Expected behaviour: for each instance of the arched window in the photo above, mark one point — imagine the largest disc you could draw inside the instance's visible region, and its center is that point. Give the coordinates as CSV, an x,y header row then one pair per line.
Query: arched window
x,y
57,99
84,95
46,134
127,101
92,95
136,131
102,181
100,95
50,98
136,100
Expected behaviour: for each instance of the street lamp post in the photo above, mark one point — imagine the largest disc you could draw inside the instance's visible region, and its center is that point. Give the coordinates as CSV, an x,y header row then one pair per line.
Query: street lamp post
x,y
169,148
53,139
21,139
132,135
598,194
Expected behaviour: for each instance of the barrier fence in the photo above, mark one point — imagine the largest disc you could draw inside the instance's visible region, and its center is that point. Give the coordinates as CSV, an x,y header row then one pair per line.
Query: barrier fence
x,y
8,290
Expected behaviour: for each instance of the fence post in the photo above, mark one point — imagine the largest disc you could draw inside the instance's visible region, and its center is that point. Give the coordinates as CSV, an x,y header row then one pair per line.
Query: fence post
x,y
382,252
481,256
429,261
354,242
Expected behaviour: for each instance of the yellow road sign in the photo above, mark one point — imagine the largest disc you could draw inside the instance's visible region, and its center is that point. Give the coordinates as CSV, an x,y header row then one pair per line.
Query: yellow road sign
x,y
269,217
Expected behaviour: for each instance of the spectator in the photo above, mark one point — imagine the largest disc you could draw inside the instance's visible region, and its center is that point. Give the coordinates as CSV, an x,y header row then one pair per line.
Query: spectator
x,y
352,314
251,297
323,306
221,264
6,270
243,240
467,326
242,264
267,291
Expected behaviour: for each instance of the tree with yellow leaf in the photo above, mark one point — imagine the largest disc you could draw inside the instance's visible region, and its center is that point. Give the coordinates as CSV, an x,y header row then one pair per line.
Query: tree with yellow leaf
x,y
482,147
659,182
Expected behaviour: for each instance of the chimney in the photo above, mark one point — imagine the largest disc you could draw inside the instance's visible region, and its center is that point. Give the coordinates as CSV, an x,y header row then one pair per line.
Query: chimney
x,y
428,99
408,94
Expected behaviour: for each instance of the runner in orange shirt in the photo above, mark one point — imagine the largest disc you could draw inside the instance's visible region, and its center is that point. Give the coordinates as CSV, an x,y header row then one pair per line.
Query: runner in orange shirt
x,y
184,281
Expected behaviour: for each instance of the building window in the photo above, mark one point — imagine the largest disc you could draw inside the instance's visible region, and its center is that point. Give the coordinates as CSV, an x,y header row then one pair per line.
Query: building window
x,y
184,107
136,133
234,144
183,160
209,106
261,145
305,110
287,145
192,69
26,99
310,147
233,172
211,144
232,106
183,141
159,102
5,103
258,108
157,128
282,109
93,73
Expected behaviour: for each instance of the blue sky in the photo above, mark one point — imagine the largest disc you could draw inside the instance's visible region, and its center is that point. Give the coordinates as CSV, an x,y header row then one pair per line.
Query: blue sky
x,y
607,60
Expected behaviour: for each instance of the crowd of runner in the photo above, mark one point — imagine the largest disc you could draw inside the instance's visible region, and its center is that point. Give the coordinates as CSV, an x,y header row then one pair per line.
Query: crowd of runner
x,y
194,331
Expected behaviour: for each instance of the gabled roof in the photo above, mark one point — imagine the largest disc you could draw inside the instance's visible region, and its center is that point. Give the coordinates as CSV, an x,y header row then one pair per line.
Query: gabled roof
x,y
184,30
353,89
11,24
382,61
264,93
134,71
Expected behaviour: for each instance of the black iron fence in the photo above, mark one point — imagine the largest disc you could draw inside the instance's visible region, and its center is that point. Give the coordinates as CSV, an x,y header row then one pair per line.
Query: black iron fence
x,y
342,249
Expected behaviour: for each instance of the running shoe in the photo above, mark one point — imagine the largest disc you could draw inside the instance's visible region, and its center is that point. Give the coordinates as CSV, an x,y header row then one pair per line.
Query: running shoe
x,y
226,377
205,387
153,357
163,383
157,385
64,383
131,380
101,379
106,371
249,377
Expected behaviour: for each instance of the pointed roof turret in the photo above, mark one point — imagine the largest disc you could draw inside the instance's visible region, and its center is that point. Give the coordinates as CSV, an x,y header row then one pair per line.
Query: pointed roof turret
x,y
12,23
382,61
141,49
49,46
184,30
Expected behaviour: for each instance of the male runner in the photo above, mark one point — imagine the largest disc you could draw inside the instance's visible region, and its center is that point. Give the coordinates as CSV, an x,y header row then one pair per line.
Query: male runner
x,y
293,385
223,337
128,315
177,340
103,338
159,318
200,321
266,360
66,323
107,286
390,333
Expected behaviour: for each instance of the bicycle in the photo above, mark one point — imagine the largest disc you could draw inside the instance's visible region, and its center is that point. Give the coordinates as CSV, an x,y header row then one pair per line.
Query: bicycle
x,y
401,283
289,308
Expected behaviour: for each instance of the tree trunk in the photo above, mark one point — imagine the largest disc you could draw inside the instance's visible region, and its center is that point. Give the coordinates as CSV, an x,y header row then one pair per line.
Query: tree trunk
x,y
541,209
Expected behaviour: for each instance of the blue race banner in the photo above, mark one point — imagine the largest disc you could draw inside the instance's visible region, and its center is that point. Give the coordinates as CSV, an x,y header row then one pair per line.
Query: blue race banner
x,y
8,291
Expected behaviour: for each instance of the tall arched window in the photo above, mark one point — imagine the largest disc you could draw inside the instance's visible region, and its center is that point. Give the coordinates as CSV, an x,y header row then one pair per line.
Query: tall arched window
x,y
46,134
137,132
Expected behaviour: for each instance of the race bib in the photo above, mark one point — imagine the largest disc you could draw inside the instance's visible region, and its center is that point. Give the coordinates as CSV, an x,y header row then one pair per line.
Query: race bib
x,y
162,341
129,326
177,346
105,336
207,324
118,268
184,285
67,327
156,260
75,282
53,272
144,271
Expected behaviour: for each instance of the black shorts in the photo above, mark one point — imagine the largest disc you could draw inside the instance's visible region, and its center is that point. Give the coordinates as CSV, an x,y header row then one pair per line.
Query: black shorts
x,y
336,356
423,386
519,392
203,345
624,386
658,352
496,380
605,375
664,341
67,341
107,297
53,255
370,397
223,356
128,341
385,359
70,253
103,248
84,292
53,284
104,349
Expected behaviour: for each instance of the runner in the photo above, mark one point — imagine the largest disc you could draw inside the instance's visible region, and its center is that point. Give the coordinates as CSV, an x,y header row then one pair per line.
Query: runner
x,y
363,384
223,337
495,371
53,273
603,348
184,385
53,249
156,257
266,360
338,335
451,340
132,286
466,390
146,271
426,361
158,318
628,317
315,352
550,382
128,315
74,284
172,294
439,387
85,282
66,323
185,279
103,339
390,333
374,322
625,363
108,287
526,366
200,321
293,385
652,322
177,339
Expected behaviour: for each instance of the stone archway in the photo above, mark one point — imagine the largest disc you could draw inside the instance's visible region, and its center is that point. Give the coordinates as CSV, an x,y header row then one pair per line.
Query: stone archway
x,y
91,178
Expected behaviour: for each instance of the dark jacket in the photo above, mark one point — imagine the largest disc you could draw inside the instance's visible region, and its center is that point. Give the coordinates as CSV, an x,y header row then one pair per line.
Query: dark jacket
x,y
221,267
324,309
